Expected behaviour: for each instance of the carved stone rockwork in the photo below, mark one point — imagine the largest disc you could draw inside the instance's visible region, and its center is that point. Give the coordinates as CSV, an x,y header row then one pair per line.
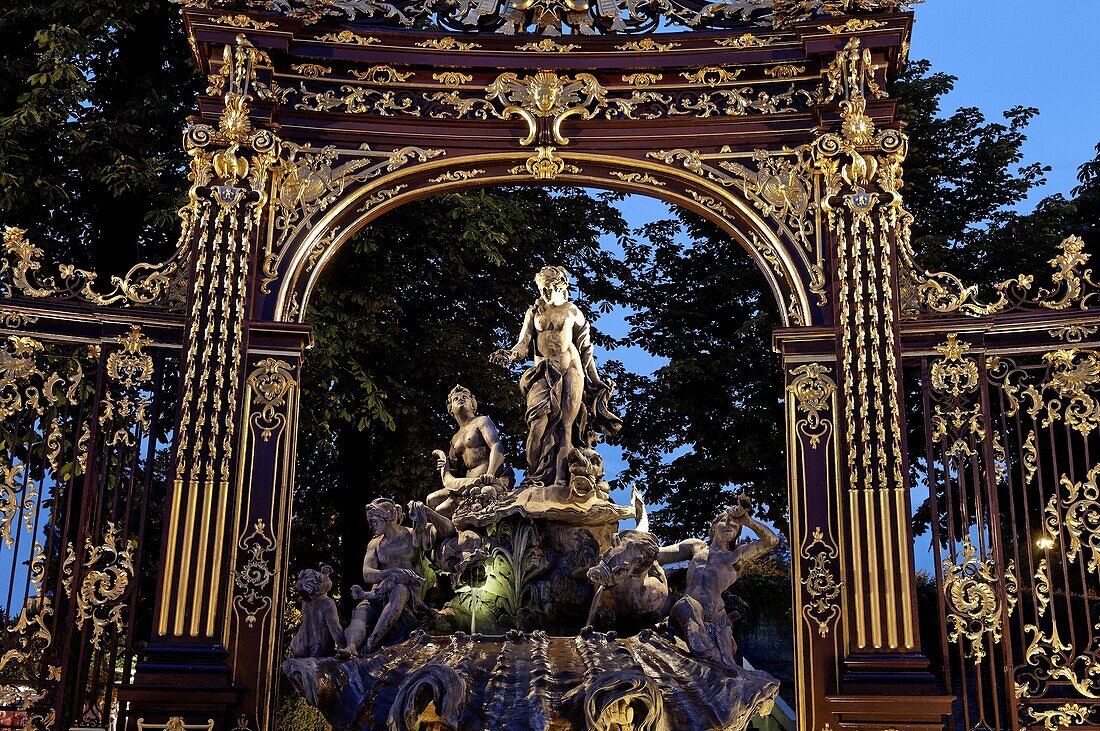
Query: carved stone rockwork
x,y
531,681
521,562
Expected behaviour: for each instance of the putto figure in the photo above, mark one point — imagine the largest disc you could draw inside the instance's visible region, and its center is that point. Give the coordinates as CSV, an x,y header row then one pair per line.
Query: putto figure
x,y
699,616
475,459
393,605
567,400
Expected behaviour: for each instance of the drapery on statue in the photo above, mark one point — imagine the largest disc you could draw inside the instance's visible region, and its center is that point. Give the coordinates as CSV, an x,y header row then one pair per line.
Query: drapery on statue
x,y
700,614
393,603
475,459
567,400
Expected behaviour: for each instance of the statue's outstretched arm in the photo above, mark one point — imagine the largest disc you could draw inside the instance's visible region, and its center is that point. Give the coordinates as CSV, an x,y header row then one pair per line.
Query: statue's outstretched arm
x,y
421,517
769,541
522,348
683,551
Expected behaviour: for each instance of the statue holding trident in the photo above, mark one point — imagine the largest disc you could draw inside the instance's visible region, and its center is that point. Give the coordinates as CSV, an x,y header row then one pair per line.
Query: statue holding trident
x,y
567,400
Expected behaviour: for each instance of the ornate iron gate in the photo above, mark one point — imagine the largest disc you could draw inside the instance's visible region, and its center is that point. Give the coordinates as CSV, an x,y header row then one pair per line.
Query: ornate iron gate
x,y
87,413
1009,453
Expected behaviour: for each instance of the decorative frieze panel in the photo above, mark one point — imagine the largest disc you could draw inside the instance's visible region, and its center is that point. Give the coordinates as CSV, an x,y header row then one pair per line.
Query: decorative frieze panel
x,y
554,17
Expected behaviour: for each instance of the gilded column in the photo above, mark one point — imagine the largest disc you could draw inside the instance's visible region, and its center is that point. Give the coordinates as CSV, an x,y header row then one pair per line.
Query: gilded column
x,y
860,167
257,544
229,172
813,467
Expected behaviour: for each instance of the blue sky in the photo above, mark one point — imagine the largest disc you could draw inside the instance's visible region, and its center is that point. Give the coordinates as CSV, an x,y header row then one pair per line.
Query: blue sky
x,y
1009,52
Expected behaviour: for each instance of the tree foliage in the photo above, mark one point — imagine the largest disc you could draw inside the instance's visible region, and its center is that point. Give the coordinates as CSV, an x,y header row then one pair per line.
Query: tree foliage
x,y
93,98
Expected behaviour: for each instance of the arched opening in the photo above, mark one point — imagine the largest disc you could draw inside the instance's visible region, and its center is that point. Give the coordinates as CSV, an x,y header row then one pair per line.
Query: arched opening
x,y
682,322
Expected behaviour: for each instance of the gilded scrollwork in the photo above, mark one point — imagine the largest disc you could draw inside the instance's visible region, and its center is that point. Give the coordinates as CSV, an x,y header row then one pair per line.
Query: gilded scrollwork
x,y
131,365
942,293
307,181
544,99
145,284
953,373
105,574
778,184
255,575
126,400
556,17
1062,717
643,178
852,74
813,391
349,37
544,165
1079,517
821,583
972,601
1073,333
1074,376
271,382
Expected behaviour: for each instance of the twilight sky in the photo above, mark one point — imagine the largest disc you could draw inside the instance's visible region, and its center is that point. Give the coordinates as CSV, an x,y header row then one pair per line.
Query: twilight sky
x,y
1009,52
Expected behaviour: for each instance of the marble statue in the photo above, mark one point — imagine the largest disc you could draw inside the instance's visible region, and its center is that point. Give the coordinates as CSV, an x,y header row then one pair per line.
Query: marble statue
x,y
475,460
393,605
565,394
449,548
631,587
699,616
320,633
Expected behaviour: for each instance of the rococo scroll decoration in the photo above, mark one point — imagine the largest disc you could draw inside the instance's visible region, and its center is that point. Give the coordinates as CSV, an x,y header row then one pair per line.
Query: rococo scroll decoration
x,y
974,607
1079,516
813,391
271,382
144,285
555,17
821,583
778,184
106,574
928,294
254,575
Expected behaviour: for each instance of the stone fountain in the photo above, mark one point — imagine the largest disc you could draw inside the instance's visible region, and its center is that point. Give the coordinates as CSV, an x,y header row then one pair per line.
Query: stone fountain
x,y
555,620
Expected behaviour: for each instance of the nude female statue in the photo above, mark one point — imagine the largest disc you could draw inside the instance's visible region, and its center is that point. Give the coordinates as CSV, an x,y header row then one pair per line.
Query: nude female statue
x,y
475,459
393,600
566,397
700,614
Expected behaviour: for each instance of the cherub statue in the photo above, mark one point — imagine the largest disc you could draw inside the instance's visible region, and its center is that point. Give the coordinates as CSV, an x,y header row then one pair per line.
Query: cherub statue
x,y
476,457
566,397
320,632
393,603
699,616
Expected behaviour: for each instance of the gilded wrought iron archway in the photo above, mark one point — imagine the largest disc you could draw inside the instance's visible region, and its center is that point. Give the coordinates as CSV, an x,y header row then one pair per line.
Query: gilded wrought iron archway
x,y
770,117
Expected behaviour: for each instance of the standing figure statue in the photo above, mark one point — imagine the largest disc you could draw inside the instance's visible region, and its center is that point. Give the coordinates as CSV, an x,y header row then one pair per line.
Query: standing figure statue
x,y
567,400
699,616
475,459
393,604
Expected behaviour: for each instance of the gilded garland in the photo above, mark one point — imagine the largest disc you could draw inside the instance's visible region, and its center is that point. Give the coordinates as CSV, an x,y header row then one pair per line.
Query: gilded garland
x,y
553,17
